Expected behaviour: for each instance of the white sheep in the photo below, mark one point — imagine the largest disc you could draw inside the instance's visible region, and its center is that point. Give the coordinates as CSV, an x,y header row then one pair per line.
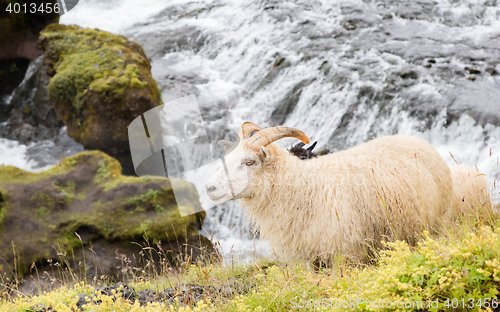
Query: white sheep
x,y
471,193
343,203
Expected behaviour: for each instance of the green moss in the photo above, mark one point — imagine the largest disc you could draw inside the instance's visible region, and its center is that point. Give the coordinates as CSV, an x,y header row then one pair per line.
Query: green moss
x,y
97,76
86,194
42,212
112,168
108,168
136,83
11,173
13,68
67,187
71,162
120,180
146,215
150,196
4,203
45,200
159,208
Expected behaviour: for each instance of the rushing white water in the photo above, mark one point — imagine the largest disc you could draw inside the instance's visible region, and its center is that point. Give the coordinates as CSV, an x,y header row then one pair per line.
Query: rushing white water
x,y
14,154
342,71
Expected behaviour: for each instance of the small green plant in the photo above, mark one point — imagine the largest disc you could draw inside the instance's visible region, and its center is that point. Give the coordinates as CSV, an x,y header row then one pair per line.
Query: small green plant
x,y
159,208
43,212
13,68
104,171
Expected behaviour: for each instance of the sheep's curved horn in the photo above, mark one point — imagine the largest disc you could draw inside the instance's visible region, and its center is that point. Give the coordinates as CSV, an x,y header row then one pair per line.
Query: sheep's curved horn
x,y
269,135
246,128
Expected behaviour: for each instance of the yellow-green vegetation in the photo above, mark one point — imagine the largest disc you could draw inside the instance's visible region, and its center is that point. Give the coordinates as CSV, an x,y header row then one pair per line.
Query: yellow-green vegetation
x,y
100,83
14,175
85,201
65,299
455,270
459,271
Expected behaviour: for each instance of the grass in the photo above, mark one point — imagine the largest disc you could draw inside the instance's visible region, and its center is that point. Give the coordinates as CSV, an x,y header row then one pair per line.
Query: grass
x,y
455,270
460,269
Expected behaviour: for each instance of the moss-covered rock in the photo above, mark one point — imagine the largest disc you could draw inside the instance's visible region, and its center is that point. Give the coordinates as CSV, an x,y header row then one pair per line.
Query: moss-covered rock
x,y
86,202
100,83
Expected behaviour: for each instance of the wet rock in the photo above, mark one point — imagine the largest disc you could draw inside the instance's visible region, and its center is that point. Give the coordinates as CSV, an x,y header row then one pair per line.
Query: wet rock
x,y
280,63
18,39
11,74
176,84
48,152
478,99
350,25
126,291
83,299
157,44
325,67
86,208
169,39
287,105
146,296
99,83
40,308
185,294
32,117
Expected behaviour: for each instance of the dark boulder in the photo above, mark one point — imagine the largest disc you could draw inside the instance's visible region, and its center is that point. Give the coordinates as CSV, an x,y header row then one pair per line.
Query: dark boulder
x,y
32,117
84,215
18,42
19,32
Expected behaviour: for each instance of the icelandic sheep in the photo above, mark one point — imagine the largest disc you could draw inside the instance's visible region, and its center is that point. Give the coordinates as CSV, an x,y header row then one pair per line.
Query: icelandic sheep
x,y
343,203
470,191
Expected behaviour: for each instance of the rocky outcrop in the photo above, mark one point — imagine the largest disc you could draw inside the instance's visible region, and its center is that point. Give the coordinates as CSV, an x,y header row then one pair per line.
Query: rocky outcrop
x,y
84,211
11,74
32,117
19,32
18,39
99,83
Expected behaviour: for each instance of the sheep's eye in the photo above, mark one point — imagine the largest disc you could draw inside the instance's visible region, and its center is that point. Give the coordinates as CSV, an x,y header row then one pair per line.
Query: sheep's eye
x,y
250,162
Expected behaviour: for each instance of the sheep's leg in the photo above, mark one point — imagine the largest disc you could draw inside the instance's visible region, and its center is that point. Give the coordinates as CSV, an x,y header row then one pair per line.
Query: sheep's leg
x,y
317,264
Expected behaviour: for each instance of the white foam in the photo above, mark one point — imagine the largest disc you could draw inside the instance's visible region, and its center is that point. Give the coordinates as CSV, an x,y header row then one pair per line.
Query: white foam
x,y
13,153
113,16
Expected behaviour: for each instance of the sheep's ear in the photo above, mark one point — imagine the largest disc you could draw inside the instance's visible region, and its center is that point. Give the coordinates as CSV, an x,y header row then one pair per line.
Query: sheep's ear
x,y
267,157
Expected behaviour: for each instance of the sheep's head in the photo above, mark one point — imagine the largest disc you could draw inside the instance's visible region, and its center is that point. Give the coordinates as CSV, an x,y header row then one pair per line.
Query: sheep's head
x,y
246,160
